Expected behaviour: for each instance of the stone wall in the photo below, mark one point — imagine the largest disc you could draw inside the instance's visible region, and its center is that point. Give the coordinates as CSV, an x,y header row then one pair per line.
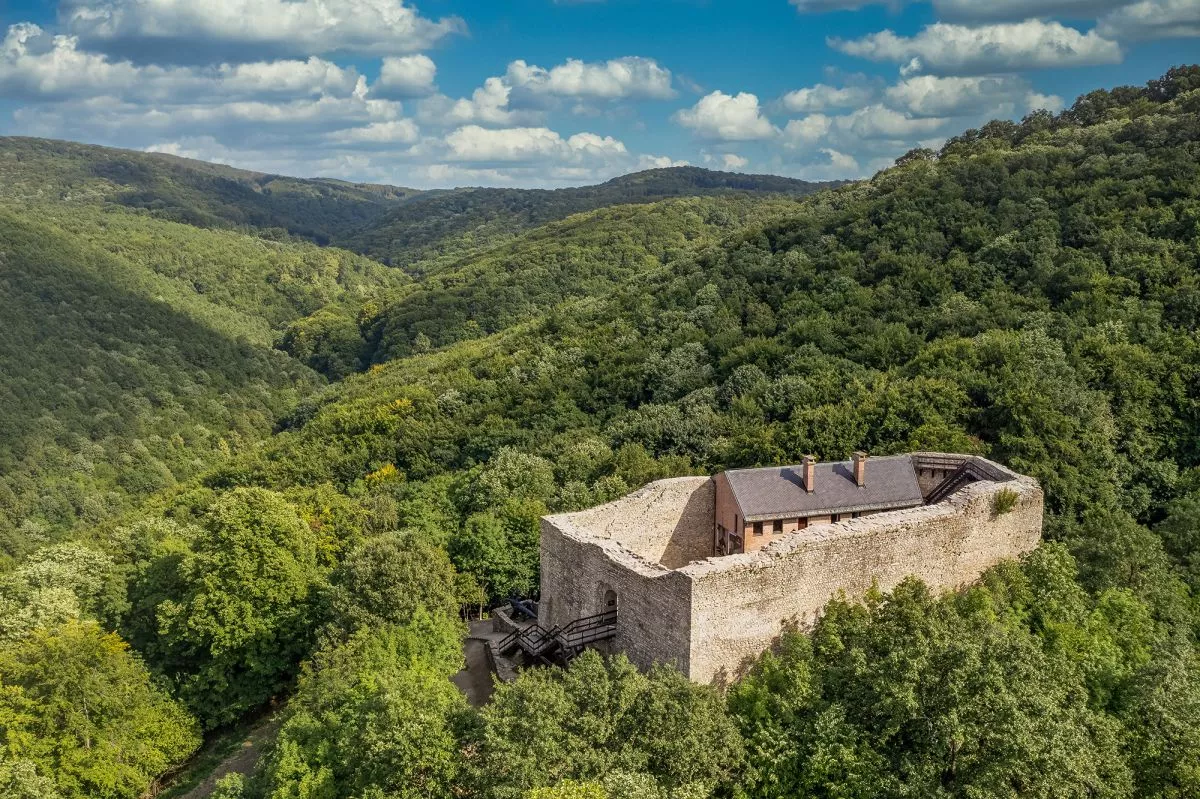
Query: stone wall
x,y
617,547
741,602
712,616
669,522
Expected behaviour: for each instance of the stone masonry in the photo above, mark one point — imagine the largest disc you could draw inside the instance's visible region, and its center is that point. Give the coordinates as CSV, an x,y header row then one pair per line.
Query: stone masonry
x,y
651,554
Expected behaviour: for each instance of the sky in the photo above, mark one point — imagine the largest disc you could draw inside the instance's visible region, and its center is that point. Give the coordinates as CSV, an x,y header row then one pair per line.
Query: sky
x,y
549,93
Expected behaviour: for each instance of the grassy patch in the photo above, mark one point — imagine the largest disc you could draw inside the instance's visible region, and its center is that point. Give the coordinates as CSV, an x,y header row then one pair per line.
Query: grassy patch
x,y
1004,501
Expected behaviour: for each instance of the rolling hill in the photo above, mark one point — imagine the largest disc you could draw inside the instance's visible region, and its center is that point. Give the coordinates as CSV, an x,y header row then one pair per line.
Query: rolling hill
x,y
441,227
184,190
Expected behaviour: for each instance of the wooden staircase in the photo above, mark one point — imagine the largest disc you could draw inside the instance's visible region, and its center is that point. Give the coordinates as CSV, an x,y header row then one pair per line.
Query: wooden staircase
x,y
961,477
559,645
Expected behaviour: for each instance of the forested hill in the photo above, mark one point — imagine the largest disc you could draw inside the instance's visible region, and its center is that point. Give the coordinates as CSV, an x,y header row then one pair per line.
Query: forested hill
x,y
184,190
584,255
438,227
1031,292
372,219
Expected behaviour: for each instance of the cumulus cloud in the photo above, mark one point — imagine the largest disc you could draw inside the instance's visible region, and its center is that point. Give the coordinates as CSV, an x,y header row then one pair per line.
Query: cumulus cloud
x,y
393,132
630,77
36,66
1153,19
487,145
807,131
524,94
873,125
932,96
956,49
823,97
70,93
880,122
919,111
727,118
489,104
406,76
658,162
179,29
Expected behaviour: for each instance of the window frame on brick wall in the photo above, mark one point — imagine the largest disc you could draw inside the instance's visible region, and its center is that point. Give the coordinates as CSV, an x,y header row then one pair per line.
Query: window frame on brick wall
x,y
777,527
758,528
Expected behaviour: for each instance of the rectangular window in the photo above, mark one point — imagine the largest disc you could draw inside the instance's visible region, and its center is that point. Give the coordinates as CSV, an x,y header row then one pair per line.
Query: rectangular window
x,y
837,517
777,526
758,528
802,523
855,515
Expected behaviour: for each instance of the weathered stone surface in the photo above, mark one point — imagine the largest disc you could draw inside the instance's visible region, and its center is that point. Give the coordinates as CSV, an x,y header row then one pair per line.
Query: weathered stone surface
x,y
710,616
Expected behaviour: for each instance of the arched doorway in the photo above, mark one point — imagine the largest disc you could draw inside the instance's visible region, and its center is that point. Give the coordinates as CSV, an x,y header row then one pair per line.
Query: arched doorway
x,y
606,598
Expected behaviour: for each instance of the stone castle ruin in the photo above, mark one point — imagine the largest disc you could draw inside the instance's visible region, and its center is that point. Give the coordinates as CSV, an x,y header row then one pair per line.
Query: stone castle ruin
x,y
705,572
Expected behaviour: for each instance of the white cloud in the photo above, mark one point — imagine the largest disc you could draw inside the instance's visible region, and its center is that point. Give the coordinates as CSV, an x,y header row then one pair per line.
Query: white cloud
x,y
880,122
920,111
734,161
39,67
956,49
489,104
34,64
406,76
874,123
488,145
396,131
727,118
808,130
524,94
179,29
1153,19
931,96
658,162
823,97
621,78
243,122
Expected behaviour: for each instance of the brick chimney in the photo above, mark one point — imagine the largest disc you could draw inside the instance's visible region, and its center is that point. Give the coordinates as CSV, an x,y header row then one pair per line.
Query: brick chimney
x,y
860,468
810,470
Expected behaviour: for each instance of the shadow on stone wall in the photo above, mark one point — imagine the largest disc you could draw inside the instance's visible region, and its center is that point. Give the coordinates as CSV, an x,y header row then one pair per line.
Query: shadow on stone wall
x,y
692,537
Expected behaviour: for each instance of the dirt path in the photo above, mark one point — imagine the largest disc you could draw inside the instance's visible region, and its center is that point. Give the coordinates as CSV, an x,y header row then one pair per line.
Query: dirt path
x,y
242,760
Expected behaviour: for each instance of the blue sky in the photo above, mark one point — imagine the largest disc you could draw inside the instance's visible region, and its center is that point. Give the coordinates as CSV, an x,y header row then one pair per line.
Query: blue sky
x,y
545,93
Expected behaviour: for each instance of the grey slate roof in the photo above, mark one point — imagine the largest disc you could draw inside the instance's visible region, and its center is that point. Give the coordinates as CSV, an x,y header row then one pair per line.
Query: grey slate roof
x,y
778,492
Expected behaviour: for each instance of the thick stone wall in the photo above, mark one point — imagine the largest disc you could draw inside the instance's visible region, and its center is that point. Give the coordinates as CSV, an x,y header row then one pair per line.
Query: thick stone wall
x,y
618,547
668,522
712,616
741,602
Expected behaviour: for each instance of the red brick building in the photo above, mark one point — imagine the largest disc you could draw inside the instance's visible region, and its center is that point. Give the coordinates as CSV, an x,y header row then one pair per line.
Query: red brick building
x,y
756,506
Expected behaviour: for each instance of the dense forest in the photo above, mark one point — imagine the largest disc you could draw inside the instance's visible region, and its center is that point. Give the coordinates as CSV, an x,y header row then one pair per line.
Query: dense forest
x,y
446,225
251,470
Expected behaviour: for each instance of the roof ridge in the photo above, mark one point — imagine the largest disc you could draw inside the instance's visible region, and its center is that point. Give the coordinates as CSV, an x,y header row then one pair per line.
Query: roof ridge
x,y
897,456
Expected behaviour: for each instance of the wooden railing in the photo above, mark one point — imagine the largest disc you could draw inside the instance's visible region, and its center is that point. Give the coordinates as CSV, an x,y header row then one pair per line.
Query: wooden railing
x,y
560,644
